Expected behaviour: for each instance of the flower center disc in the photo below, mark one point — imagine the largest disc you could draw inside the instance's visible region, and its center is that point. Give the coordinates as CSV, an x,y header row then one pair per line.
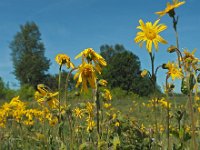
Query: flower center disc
x,y
150,34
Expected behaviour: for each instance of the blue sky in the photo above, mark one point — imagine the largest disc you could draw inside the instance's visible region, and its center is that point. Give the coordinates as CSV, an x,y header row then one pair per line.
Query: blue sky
x,y
69,26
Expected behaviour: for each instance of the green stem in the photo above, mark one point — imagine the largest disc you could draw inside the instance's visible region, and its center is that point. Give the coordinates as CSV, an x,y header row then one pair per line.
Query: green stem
x,y
168,122
66,84
155,118
192,120
175,22
153,80
71,130
153,75
98,109
59,90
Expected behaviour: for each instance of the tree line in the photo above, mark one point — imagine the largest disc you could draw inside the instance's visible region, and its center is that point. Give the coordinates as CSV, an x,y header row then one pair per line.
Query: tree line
x,y
30,65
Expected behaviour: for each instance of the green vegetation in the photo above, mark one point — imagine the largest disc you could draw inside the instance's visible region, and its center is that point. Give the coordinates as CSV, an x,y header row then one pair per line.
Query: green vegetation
x,y
126,112
29,62
123,70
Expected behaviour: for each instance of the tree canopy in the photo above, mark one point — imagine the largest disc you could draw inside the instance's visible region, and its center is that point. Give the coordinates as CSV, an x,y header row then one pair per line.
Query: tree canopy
x,y
29,62
123,70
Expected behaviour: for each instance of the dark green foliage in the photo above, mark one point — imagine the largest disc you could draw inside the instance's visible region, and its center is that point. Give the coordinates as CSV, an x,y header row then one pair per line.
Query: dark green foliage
x,y
123,70
26,92
28,58
2,86
5,92
52,81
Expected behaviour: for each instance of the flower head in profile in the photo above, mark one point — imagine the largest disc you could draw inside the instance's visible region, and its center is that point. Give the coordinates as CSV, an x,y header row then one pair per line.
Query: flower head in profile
x,y
86,74
150,34
107,105
107,95
165,103
90,124
102,82
189,60
89,108
170,8
63,59
90,55
45,95
144,73
174,71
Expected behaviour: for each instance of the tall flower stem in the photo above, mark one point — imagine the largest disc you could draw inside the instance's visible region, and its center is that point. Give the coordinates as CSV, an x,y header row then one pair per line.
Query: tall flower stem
x,y
153,76
168,122
175,22
59,91
97,110
66,84
69,113
71,129
153,80
192,115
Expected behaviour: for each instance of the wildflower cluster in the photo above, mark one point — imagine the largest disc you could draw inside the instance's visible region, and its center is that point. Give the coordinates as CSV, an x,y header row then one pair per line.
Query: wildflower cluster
x,y
17,111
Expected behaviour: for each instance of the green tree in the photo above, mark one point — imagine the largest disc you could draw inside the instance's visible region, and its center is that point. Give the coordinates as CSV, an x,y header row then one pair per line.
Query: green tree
x,y
29,61
123,70
52,81
2,87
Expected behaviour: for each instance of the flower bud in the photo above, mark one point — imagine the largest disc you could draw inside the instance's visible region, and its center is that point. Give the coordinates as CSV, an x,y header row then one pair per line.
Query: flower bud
x,y
164,66
144,73
102,82
172,86
172,49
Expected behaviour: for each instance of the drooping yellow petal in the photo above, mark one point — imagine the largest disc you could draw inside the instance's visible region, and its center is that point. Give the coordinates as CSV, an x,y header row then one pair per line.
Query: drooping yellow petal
x,y
170,7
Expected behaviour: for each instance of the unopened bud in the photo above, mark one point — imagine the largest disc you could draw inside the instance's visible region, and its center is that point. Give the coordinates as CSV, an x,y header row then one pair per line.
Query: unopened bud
x,y
144,73
102,82
164,66
172,86
172,49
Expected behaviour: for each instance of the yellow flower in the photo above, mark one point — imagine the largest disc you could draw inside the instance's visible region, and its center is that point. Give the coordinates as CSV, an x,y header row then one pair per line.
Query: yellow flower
x,y
89,107
150,34
90,125
53,121
63,59
78,112
144,73
107,105
164,103
90,55
103,82
117,124
107,95
190,60
174,71
28,122
44,95
198,109
170,8
196,98
142,127
161,128
114,116
86,74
